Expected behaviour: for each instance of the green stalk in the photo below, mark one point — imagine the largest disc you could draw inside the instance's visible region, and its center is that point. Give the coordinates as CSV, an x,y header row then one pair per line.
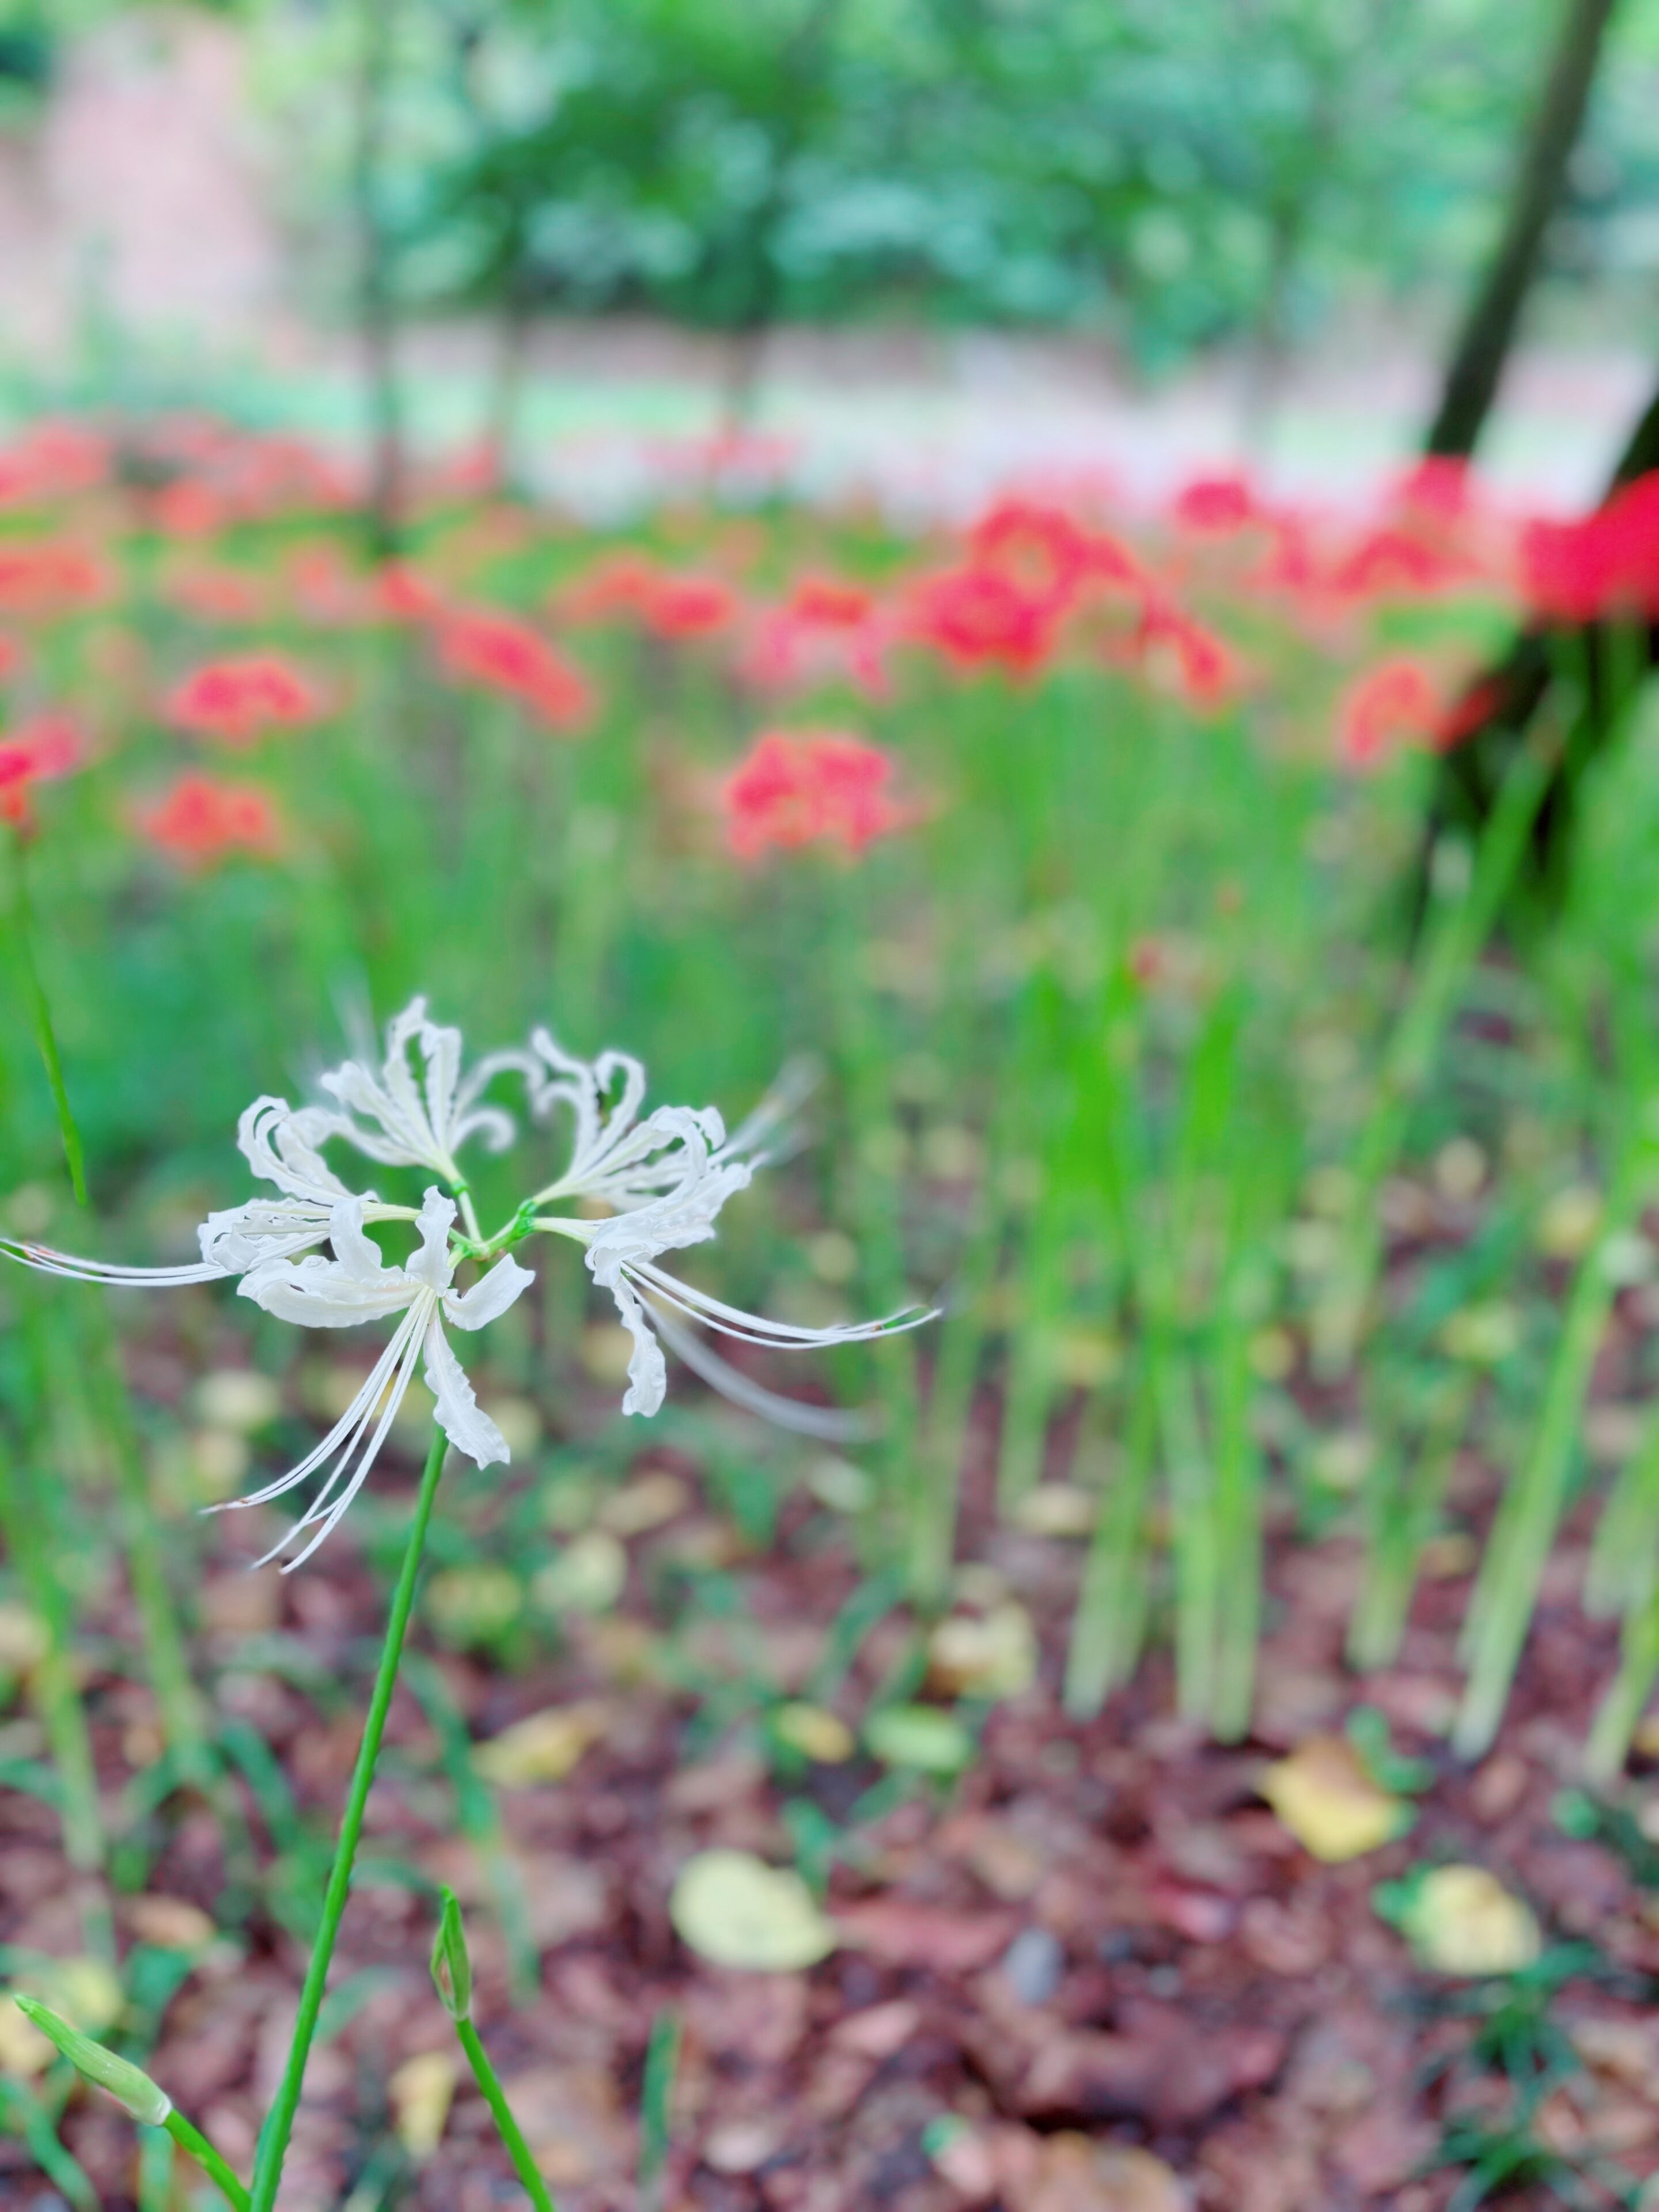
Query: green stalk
x,y
61,1713
22,938
1518,1548
1403,1516
183,1718
195,2145
1624,1548
1238,1483
662,2054
502,2113
1621,1708
1455,936
1110,1618
279,2123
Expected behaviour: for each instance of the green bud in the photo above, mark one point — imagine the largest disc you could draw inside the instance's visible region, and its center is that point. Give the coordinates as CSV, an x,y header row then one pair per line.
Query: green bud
x,y
118,2077
451,1967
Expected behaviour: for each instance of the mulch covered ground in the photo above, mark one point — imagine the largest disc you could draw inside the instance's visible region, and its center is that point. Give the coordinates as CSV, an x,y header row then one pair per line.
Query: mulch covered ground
x,y
1099,1951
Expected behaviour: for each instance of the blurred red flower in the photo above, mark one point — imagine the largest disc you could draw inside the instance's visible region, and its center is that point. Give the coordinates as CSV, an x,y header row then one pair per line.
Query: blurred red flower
x,y
401,592
1396,703
1607,564
617,583
235,701
44,576
1201,667
824,629
1216,506
479,646
688,606
201,819
807,786
47,745
211,593
976,615
1040,551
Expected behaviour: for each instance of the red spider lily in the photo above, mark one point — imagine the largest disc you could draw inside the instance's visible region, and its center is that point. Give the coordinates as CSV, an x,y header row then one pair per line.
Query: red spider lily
x,y
1040,551
1191,660
40,577
620,584
53,461
810,787
1439,487
402,593
212,593
1395,563
48,745
690,606
825,628
1607,564
187,509
1216,506
978,616
324,590
235,701
1396,703
479,646
202,819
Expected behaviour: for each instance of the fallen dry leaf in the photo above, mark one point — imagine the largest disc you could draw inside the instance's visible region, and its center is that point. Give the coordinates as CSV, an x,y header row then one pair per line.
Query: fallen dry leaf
x,y
1329,1803
421,2091
1461,1920
543,1747
732,1909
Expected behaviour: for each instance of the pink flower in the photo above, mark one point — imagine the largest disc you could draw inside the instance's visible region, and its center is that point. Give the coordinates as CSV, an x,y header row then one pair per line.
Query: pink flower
x,y
235,701
479,646
202,819
810,787
1395,703
48,745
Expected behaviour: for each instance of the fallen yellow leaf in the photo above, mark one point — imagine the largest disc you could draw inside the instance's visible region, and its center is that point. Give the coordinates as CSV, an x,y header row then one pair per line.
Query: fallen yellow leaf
x,y
1461,1920
543,1747
421,2091
1329,1803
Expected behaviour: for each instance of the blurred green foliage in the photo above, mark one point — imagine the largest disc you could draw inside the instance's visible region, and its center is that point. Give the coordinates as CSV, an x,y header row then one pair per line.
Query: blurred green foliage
x,y
1167,177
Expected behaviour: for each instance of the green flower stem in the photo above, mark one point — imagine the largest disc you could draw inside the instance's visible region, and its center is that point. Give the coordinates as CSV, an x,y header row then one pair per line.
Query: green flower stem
x,y
46,1038
279,2122
195,2145
511,2134
184,1717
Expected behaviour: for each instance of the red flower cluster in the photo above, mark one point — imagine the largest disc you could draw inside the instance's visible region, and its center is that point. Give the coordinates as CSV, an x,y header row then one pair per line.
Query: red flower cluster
x,y
236,701
825,628
40,577
810,787
667,604
1607,564
1396,703
202,819
479,646
49,744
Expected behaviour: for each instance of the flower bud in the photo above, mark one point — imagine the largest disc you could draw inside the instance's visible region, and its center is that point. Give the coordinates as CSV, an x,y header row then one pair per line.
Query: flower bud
x,y
451,1967
131,2089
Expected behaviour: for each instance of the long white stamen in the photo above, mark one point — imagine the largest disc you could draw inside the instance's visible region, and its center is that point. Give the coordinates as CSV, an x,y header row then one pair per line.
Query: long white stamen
x,y
319,1510
756,1329
341,1438
46,1262
828,1423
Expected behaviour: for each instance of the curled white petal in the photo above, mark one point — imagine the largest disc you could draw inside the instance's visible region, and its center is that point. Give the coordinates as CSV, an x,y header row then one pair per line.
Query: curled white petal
x,y
419,1110
490,1296
280,1144
458,1413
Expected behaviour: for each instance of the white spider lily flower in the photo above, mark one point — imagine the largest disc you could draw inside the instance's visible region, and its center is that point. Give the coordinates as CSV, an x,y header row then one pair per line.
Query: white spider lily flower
x,y
666,1177
422,1118
279,1143
358,1286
